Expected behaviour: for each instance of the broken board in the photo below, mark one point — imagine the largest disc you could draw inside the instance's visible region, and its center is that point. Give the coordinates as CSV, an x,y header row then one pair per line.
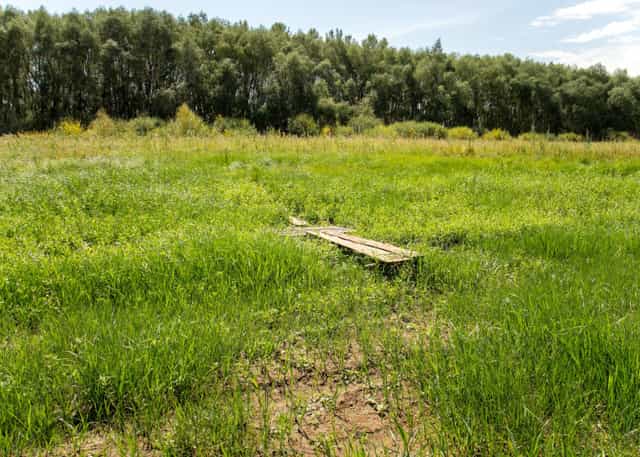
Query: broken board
x,y
382,252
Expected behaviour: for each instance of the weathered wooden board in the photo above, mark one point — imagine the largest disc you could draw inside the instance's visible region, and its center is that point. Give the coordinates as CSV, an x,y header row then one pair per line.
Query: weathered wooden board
x,y
381,252
298,222
304,231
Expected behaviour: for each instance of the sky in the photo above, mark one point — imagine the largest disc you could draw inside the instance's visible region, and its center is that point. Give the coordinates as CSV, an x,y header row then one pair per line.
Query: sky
x,y
573,32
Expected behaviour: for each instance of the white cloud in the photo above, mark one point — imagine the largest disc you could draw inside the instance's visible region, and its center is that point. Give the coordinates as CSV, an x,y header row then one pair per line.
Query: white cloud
x,y
612,29
626,39
585,11
617,56
620,47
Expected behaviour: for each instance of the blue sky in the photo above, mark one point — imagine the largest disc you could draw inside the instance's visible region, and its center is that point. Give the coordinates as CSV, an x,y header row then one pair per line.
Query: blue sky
x,y
567,31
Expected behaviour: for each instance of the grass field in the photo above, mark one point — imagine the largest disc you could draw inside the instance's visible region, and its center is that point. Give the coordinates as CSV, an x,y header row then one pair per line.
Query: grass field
x,y
151,305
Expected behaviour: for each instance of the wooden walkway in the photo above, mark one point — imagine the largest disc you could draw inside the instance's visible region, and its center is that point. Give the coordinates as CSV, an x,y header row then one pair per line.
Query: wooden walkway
x,y
382,252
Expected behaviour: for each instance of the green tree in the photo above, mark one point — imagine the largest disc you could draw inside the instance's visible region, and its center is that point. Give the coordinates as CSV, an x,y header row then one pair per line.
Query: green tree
x,y
15,109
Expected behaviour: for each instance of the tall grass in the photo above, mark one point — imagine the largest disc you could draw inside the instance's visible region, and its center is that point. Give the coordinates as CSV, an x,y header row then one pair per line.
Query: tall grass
x,y
138,274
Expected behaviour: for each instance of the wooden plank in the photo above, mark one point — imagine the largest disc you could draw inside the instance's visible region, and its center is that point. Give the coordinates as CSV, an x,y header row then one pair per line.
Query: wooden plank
x,y
304,231
330,228
380,254
300,226
379,245
298,222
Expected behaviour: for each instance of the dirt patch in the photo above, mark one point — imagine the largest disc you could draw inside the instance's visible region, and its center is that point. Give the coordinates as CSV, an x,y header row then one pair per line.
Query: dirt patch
x,y
337,418
100,443
333,408
307,403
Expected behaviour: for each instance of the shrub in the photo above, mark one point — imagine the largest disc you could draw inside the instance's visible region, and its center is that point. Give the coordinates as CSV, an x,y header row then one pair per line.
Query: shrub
x,y
69,127
497,135
103,125
188,123
571,137
619,137
142,126
533,136
363,122
411,129
303,125
233,126
326,131
382,131
462,133
332,113
345,131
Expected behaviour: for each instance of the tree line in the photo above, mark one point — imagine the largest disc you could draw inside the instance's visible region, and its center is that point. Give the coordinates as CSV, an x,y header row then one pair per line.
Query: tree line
x,y
147,62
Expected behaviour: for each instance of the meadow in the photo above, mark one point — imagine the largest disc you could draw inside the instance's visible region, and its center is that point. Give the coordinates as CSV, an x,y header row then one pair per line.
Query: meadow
x,y
151,304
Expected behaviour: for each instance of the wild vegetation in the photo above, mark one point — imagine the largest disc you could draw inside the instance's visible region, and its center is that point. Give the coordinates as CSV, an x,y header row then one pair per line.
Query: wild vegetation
x,y
147,63
150,300
154,303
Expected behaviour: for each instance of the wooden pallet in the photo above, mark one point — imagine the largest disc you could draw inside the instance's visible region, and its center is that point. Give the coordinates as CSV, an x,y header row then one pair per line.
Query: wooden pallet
x,y
382,252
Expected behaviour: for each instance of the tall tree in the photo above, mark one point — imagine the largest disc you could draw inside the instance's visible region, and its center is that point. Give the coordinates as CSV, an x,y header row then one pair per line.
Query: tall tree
x,y
14,71
149,62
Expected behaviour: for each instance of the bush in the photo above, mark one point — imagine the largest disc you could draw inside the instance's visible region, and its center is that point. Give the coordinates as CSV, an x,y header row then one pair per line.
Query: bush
x,y
496,135
533,136
103,125
570,137
142,126
233,126
188,123
69,127
303,125
382,131
326,131
345,131
619,137
462,133
363,122
411,129
332,113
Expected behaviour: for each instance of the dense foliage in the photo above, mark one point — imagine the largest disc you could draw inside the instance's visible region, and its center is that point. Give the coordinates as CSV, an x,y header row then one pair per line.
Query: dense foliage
x,y
133,63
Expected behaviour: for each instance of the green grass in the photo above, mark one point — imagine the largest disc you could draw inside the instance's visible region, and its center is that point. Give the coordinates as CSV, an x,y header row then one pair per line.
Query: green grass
x,y
139,277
